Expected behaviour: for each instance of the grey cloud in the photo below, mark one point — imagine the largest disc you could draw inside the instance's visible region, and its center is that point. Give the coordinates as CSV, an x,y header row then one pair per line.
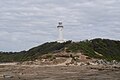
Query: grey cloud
x,y
27,23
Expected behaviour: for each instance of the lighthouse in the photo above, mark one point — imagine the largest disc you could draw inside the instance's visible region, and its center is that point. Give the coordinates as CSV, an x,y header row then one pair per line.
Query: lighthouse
x,y
60,29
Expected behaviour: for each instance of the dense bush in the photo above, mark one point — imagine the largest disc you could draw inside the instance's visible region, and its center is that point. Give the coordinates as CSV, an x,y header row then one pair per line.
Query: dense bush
x,y
110,50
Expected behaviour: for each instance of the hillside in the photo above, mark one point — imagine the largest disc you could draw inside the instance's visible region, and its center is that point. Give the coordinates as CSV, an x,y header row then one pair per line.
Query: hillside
x,y
96,48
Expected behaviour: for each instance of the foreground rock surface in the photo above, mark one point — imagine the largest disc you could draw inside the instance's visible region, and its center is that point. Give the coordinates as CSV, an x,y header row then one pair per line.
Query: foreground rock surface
x,y
37,72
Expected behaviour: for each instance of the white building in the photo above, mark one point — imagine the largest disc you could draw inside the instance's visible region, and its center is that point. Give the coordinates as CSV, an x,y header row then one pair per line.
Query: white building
x,y
60,29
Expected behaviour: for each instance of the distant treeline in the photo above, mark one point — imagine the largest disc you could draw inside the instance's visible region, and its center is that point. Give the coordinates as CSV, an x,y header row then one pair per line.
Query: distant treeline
x,y
96,48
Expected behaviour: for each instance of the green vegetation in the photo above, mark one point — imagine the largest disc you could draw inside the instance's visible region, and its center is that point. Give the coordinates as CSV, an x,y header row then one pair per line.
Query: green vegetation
x,y
110,49
96,48
11,56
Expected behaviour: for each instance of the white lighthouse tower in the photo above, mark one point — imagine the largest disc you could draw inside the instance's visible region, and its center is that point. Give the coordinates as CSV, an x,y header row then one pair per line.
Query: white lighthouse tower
x,y
60,29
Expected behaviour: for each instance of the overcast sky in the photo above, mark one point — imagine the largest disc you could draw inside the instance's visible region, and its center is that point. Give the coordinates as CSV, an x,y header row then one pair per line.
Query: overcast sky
x,y
27,23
